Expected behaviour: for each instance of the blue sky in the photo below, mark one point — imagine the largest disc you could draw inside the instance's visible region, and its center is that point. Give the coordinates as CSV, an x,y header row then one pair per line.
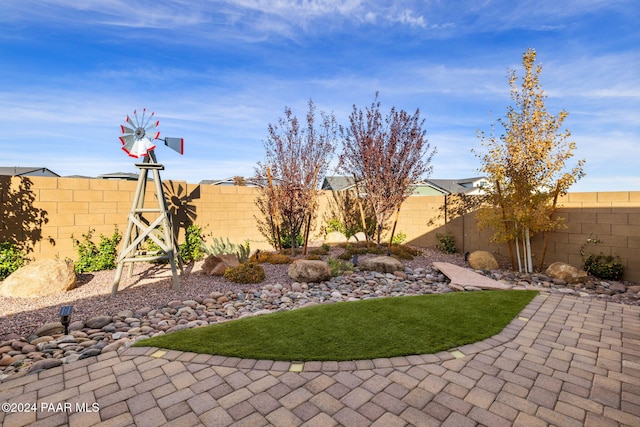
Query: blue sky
x,y
218,72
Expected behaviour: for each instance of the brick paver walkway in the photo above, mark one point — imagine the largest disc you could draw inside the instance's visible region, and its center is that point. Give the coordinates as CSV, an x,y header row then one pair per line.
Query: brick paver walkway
x,y
564,362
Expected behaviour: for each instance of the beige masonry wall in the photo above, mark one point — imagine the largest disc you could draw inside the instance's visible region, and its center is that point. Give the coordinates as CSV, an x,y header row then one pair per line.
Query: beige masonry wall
x,y
75,205
612,218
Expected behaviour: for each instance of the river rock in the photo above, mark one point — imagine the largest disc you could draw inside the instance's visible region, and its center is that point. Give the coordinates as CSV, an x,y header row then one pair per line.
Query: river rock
x,y
113,346
76,325
6,360
617,287
92,351
40,278
125,313
29,348
98,322
50,328
70,358
45,364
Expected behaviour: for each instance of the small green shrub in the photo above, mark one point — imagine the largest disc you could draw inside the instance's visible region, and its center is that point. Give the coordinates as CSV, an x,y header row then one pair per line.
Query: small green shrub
x,y
220,247
322,250
248,272
334,224
92,257
191,248
338,267
149,247
605,267
11,259
361,248
398,238
350,251
270,257
447,243
285,239
404,251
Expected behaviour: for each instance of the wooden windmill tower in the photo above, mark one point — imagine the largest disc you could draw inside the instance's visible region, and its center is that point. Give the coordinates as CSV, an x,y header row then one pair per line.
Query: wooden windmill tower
x,y
147,222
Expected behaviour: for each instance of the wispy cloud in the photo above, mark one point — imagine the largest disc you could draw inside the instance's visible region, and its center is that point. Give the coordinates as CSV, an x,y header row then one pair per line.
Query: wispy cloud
x,y
595,76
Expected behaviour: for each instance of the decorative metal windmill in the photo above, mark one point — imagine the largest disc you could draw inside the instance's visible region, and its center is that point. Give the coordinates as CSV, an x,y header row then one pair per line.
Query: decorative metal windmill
x,y
138,140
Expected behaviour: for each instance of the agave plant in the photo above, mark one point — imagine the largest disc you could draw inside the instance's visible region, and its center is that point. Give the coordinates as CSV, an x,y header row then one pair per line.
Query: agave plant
x,y
220,247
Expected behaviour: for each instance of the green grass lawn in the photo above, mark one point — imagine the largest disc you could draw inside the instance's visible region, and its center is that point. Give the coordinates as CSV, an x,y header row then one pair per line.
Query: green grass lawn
x,y
369,329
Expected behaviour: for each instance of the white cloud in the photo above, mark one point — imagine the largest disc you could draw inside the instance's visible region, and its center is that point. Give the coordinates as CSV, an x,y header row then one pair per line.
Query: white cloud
x,y
407,16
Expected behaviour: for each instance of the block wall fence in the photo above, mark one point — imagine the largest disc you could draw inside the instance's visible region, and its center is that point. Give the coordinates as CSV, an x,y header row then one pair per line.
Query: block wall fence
x,y
73,206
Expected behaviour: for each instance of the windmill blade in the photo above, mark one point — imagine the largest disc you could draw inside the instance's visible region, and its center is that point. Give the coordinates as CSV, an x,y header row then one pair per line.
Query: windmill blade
x,y
136,120
127,139
141,147
152,126
127,147
145,123
126,129
151,130
131,122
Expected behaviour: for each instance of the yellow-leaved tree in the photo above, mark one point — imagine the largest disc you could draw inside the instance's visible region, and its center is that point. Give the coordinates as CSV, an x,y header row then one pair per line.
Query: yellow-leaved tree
x,y
526,168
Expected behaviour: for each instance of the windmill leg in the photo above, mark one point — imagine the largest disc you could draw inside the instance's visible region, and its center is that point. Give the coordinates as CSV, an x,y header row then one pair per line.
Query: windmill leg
x,y
180,265
138,202
167,231
123,254
116,281
126,243
174,235
176,281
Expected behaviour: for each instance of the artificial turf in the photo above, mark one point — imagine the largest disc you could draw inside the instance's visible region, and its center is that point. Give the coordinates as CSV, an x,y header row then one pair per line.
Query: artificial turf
x,y
369,329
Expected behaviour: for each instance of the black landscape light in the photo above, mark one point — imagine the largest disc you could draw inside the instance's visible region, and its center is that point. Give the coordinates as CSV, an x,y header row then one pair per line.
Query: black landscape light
x,y
354,260
65,317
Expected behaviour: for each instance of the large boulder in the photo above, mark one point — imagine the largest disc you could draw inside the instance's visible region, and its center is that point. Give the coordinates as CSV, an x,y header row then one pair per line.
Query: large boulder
x,y
335,237
566,272
483,260
358,237
305,270
381,264
216,265
40,278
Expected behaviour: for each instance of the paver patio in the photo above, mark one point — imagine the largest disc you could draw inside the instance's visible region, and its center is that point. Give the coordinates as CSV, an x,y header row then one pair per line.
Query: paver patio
x,y
564,361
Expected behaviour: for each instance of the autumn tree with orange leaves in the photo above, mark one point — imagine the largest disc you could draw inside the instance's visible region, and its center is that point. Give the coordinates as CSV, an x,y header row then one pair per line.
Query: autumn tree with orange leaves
x,y
526,168
387,155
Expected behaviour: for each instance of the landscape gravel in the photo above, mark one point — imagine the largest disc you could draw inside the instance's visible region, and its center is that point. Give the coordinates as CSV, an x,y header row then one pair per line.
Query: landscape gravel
x,y
146,305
